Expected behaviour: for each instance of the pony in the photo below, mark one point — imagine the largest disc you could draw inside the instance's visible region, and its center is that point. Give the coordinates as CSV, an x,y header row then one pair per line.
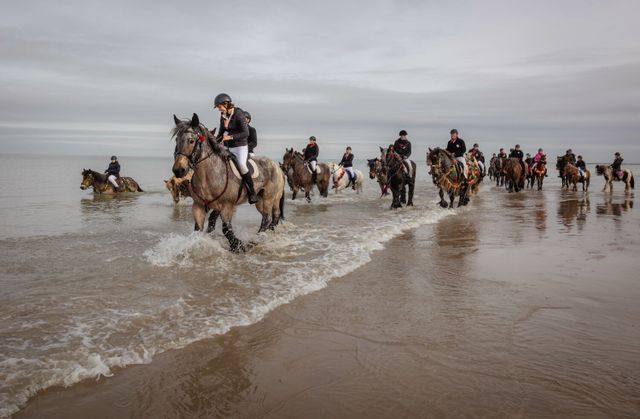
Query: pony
x,y
572,176
496,169
215,187
101,185
179,188
397,178
607,172
377,170
514,175
561,162
340,178
446,173
301,175
539,172
289,175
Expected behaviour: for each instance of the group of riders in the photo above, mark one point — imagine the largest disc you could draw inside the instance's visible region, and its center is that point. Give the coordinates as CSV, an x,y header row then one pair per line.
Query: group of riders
x,y
240,139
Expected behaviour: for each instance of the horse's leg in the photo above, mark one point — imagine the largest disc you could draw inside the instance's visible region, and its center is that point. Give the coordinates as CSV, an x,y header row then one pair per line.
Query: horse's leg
x,y
294,193
199,214
235,244
403,193
452,197
263,209
443,203
213,218
307,191
412,186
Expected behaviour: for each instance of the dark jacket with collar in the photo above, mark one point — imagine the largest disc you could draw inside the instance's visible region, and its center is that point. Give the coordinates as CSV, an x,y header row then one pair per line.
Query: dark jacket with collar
x,y
311,152
237,128
347,160
113,169
457,147
402,148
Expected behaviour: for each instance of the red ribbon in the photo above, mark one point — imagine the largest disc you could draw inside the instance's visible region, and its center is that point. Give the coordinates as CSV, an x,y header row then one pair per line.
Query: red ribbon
x,y
201,138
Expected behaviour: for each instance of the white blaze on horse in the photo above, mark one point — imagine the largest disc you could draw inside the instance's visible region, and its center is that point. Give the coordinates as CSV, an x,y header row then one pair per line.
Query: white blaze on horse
x,y
610,177
340,178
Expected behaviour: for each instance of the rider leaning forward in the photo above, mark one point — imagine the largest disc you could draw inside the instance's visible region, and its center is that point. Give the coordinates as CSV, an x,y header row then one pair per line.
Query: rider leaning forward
x,y
234,132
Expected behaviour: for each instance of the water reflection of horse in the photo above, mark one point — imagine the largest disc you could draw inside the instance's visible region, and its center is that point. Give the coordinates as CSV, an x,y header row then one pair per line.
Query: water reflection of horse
x,y
101,185
571,209
608,207
609,178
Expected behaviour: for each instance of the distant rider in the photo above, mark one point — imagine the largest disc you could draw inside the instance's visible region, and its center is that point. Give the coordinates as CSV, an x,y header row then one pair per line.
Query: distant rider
x,y
516,153
234,132
540,156
479,156
113,172
252,141
402,147
347,165
311,153
457,148
582,166
616,166
502,154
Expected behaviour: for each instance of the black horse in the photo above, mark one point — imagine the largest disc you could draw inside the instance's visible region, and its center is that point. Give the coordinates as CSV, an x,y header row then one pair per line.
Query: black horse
x,y
397,178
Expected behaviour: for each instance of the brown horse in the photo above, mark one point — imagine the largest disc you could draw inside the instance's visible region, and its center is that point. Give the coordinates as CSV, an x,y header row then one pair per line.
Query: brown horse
x,y
513,174
398,179
572,176
539,172
101,185
214,186
377,170
447,175
302,177
179,188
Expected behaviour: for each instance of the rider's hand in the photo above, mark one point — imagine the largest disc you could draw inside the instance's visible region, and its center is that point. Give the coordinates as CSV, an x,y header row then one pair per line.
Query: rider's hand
x,y
227,137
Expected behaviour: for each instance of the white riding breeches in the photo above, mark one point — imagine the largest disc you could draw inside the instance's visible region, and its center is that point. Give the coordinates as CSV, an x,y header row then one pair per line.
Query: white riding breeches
x,y
241,153
465,169
580,172
407,165
313,165
351,173
481,165
113,180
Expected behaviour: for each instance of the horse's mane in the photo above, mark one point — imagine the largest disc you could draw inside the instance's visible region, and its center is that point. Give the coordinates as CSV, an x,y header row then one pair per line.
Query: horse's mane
x,y
100,176
184,126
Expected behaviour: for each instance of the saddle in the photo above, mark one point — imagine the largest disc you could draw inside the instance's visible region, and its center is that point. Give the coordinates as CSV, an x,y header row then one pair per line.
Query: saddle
x,y
251,165
308,166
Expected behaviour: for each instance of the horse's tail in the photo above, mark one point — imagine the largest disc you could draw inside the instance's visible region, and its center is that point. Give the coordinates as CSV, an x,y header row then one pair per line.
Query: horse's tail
x,y
282,203
632,182
139,188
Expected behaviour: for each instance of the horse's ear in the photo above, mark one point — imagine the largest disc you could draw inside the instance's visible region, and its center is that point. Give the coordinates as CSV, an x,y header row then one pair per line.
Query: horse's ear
x,y
195,121
430,150
381,150
175,119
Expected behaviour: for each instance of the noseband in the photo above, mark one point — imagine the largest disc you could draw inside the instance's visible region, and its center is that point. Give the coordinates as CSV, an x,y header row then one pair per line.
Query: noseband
x,y
198,148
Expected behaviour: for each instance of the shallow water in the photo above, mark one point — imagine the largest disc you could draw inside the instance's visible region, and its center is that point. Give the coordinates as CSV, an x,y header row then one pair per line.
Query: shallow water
x,y
92,283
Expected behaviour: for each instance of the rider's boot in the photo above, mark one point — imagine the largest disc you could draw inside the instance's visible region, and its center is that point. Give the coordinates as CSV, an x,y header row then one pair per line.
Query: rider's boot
x,y
314,176
248,182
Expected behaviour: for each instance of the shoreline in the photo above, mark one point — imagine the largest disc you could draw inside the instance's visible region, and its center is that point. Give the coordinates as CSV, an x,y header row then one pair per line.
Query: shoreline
x,y
427,338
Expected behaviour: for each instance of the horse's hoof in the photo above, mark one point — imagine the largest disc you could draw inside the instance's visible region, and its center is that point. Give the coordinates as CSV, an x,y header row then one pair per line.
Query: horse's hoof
x,y
444,205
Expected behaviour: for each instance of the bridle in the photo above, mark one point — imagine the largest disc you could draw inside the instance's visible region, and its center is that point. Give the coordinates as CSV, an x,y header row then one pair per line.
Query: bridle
x,y
196,149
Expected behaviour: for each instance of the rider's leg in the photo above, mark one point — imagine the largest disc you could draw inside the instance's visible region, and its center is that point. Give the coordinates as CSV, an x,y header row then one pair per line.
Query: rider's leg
x,y
241,154
352,176
314,170
113,181
462,160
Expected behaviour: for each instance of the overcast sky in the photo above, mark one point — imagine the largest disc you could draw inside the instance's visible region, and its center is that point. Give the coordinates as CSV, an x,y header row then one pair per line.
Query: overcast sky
x,y
105,77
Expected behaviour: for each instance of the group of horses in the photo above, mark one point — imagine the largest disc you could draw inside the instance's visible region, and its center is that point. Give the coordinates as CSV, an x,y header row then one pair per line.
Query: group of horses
x,y
204,170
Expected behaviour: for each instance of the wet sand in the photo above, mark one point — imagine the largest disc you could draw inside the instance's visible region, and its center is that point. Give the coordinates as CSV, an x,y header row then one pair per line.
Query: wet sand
x,y
522,305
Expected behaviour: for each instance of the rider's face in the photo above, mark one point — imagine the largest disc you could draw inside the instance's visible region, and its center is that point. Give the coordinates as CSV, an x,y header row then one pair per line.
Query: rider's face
x,y
454,136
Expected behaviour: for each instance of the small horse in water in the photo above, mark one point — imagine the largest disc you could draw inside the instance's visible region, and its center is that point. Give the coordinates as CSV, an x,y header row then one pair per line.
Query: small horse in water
x,y
609,177
341,178
496,166
101,185
446,173
377,170
561,162
214,185
514,175
572,176
539,172
398,179
302,177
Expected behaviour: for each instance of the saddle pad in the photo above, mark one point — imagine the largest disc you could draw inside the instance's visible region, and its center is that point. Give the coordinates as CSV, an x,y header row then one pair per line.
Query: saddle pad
x,y
251,165
318,168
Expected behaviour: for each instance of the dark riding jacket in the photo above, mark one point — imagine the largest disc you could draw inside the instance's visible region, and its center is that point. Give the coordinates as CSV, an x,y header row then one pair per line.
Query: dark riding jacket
x,y
347,160
617,163
402,148
113,169
457,147
502,155
571,158
580,164
517,154
311,152
478,155
237,128
252,140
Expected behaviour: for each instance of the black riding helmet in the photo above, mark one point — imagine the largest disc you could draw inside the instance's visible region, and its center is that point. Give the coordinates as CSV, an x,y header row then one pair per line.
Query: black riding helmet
x,y
114,158
222,98
453,131
247,115
476,145
403,132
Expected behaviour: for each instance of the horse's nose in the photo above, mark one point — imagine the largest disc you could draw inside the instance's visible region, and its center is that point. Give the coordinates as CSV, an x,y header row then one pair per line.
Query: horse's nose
x,y
180,172
82,187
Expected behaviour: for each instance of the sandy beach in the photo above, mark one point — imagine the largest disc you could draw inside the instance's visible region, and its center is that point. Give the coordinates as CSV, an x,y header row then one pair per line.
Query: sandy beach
x,y
522,305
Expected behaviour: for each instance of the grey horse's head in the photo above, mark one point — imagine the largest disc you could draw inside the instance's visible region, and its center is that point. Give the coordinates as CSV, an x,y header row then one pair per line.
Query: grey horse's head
x,y
191,141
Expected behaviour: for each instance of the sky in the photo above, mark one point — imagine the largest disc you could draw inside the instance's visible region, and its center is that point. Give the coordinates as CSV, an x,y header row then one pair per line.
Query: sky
x,y
105,77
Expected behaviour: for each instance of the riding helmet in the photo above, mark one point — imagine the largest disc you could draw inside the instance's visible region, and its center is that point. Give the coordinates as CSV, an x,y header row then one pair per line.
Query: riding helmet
x,y
222,98
540,150
247,115
476,145
403,132
312,138
617,153
517,146
114,158
453,131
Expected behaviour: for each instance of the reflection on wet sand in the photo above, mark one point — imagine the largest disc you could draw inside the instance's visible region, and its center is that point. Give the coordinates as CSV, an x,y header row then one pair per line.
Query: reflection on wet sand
x,y
615,205
573,210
